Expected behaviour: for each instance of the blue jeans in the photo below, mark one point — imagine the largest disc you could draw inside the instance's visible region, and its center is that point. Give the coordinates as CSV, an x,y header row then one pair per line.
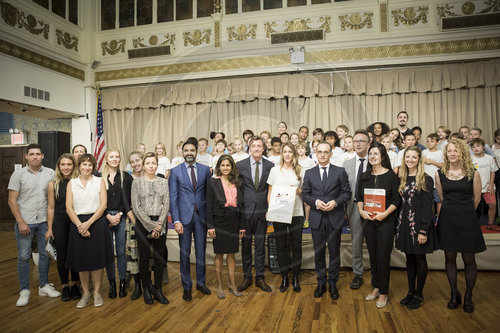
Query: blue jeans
x,y
119,232
24,255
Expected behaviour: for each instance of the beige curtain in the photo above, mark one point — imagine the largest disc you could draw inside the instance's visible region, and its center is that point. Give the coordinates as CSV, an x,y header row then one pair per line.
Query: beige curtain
x,y
451,95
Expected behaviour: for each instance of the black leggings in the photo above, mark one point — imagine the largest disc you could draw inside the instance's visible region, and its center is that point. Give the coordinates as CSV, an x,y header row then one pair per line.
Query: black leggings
x,y
470,269
416,269
60,228
159,254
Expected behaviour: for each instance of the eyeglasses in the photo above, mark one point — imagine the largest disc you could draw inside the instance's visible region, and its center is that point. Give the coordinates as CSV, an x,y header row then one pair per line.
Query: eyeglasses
x,y
359,141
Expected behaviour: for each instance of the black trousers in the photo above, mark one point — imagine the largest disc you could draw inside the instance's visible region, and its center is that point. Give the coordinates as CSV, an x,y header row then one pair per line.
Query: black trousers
x,y
324,236
159,254
255,228
60,228
289,236
379,241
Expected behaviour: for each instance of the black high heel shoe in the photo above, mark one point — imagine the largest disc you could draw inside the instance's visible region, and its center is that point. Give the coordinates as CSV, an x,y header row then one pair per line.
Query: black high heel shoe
x,y
468,306
455,301
147,297
158,295
295,283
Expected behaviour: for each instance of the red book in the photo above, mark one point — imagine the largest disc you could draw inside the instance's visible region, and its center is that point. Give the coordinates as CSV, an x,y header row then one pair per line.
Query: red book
x,y
374,200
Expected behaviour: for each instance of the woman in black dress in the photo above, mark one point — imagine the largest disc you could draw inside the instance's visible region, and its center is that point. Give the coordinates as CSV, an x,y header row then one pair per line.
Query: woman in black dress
x,y
415,231
225,218
58,223
459,188
378,227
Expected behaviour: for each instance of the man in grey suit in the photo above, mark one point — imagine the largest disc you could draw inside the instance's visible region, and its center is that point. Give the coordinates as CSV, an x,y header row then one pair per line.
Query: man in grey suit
x,y
354,168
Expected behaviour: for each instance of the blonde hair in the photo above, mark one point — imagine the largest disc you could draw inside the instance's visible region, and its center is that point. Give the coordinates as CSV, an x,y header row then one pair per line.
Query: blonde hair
x,y
295,160
162,147
58,177
420,177
463,156
105,170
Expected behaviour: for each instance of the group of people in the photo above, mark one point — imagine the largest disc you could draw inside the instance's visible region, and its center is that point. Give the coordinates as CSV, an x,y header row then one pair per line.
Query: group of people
x,y
338,180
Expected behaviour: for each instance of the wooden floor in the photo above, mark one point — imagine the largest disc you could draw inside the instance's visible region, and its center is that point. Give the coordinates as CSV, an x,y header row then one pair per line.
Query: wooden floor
x,y
256,311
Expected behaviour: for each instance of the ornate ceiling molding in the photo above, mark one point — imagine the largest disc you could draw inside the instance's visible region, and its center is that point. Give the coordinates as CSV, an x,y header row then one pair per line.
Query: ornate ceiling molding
x,y
367,53
67,40
40,60
14,16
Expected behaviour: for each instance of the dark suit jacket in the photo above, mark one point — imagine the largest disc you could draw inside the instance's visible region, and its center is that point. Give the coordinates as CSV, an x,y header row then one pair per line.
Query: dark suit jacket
x,y
337,188
216,199
182,195
255,204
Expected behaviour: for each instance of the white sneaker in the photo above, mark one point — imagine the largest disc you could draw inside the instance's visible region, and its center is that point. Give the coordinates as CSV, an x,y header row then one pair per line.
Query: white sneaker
x,y
24,297
83,301
48,290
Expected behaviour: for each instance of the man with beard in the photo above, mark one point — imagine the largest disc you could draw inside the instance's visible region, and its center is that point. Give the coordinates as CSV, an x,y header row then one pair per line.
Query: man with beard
x,y
402,121
188,205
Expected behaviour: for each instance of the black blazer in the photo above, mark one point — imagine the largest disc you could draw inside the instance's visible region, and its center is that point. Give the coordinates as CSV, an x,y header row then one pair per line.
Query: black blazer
x,y
216,199
255,204
337,188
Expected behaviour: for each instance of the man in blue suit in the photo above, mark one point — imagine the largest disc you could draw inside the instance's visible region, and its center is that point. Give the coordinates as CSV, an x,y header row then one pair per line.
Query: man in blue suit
x,y
326,189
188,205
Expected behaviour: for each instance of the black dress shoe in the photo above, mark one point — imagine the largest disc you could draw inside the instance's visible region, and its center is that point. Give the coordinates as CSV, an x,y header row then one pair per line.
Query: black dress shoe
x,y
186,295
295,283
284,283
245,284
415,302
334,292
263,285
203,288
66,294
75,292
137,288
320,290
407,299
112,289
455,301
147,297
123,288
158,295
468,306
356,282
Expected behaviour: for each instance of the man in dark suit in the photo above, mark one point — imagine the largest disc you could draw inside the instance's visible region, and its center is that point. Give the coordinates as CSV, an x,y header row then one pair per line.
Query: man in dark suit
x,y
326,189
354,168
254,172
188,205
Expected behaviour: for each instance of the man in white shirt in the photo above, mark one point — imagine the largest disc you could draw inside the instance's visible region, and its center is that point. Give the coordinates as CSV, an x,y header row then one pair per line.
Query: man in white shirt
x,y
28,203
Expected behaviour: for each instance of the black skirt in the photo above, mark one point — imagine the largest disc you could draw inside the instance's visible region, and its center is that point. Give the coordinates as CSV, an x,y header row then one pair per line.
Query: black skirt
x,y
227,232
89,253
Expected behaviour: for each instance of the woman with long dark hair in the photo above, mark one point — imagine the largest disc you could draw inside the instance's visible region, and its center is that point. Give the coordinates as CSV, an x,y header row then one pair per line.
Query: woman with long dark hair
x,y
58,223
225,219
379,218
415,232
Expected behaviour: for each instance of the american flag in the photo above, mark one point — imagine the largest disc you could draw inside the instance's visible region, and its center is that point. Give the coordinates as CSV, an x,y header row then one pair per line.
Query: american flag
x,y
99,144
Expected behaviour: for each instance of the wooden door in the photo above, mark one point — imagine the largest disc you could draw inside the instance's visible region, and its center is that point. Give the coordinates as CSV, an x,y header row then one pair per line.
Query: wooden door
x,y
9,157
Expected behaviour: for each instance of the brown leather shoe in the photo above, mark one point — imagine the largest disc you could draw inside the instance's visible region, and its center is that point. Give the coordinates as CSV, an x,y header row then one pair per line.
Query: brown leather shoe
x,y
263,285
245,284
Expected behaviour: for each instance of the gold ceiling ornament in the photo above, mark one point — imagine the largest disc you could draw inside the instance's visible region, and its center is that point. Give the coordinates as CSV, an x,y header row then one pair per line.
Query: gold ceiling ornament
x,y
13,16
40,60
197,37
242,32
113,47
269,28
297,24
67,40
216,33
492,6
169,40
355,21
468,8
217,6
325,23
410,16
138,42
319,57
446,11
153,40
383,17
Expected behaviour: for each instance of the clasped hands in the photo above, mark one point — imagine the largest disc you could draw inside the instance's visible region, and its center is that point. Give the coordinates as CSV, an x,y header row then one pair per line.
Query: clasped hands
x,y
83,229
377,216
113,219
155,233
325,207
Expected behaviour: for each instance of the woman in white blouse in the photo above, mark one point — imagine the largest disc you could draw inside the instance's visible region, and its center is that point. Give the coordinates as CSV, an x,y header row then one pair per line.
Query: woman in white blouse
x,y
289,173
89,243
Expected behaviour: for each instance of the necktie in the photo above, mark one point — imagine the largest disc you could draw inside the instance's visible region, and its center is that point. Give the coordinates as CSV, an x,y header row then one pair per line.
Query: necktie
x,y
193,177
325,176
257,175
360,171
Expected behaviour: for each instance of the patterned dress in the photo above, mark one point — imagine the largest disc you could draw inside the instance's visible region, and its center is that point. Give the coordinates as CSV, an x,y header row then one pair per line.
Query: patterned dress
x,y
416,217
